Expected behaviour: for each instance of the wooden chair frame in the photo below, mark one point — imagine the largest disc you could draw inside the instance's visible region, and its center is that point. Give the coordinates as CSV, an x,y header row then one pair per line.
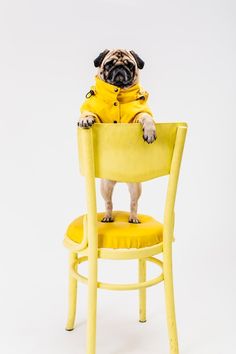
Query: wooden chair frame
x,y
88,249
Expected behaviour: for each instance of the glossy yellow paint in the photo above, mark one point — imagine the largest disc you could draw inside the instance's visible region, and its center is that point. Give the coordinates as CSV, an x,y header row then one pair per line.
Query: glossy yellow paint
x,y
114,151
134,286
142,292
121,154
72,295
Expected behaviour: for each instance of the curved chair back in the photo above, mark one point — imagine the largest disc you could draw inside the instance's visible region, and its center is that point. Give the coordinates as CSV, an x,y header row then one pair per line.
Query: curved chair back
x,y
118,152
121,154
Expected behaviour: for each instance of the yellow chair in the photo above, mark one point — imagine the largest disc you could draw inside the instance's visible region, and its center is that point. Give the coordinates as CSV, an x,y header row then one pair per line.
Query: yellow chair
x,y
118,152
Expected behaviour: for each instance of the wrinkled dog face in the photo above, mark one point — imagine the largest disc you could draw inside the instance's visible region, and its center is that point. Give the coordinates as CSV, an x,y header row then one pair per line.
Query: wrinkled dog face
x,y
119,67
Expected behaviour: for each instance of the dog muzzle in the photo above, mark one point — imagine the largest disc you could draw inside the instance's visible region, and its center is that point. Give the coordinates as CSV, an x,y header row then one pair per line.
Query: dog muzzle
x,y
120,76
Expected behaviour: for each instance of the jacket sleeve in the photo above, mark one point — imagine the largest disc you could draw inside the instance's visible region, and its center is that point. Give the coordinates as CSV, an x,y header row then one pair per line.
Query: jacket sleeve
x,y
143,106
88,108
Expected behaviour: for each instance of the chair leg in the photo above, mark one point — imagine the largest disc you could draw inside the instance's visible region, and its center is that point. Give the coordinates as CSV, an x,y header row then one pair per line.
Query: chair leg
x,y
170,304
92,306
72,296
142,292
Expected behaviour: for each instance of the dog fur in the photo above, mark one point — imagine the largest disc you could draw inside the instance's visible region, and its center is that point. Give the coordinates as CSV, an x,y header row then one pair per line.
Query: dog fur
x,y
120,67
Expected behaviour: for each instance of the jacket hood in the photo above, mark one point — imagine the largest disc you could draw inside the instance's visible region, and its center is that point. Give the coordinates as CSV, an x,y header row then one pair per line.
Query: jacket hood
x,y
112,92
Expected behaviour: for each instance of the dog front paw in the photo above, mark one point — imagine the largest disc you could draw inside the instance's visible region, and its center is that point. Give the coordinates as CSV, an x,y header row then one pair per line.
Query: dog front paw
x,y
149,132
86,122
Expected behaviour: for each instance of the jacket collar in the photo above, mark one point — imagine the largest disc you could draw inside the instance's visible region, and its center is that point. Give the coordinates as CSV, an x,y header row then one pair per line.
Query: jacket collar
x,y
109,92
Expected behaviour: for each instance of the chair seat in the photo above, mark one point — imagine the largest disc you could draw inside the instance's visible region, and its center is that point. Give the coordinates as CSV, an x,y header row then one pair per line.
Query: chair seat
x,y
120,233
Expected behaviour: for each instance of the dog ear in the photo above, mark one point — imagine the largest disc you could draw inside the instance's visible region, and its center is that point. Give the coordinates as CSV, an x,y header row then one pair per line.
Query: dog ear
x,y
99,59
139,61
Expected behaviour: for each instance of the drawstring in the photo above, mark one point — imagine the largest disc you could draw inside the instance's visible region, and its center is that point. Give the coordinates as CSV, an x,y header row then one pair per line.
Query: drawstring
x,y
89,94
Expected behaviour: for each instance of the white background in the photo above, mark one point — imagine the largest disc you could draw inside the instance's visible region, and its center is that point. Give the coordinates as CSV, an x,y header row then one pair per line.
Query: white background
x,y
47,52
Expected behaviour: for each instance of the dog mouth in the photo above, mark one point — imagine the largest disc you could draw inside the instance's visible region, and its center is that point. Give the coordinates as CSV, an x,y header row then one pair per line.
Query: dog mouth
x,y
120,75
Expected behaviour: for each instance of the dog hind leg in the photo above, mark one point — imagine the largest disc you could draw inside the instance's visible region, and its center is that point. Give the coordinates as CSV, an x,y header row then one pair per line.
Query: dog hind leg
x,y
135,190
107,187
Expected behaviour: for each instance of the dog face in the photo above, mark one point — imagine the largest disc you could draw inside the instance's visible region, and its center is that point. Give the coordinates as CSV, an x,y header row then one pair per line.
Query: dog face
x,y
119,67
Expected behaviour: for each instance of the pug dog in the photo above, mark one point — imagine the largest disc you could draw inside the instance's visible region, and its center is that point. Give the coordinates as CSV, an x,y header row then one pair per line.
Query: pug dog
x,y
117,97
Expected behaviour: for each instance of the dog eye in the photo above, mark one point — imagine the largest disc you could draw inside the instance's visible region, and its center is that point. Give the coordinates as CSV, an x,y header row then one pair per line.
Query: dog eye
x,y
130,65
108,65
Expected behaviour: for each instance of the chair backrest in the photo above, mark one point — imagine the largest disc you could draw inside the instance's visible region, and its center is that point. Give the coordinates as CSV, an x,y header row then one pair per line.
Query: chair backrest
x,y
121,154
118,152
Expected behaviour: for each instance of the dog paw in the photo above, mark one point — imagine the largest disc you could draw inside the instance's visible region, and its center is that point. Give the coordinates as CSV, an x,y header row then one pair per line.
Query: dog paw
x,y
107,219
86,122
134,220
149,133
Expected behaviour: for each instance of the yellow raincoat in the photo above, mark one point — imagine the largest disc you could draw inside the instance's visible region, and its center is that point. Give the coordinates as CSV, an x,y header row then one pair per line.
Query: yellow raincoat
x,y
112,104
